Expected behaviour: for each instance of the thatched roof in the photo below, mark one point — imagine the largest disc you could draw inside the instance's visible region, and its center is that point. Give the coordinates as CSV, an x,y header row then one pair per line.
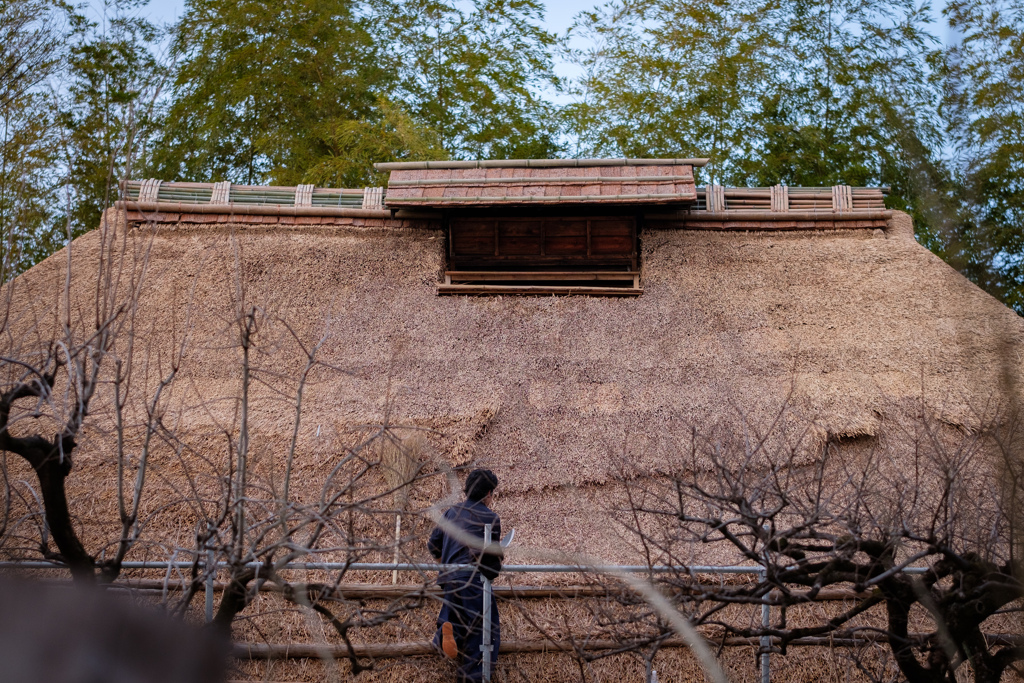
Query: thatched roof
x,y
851,326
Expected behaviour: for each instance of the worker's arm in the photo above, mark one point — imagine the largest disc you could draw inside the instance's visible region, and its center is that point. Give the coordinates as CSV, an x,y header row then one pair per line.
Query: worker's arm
x,y
436,543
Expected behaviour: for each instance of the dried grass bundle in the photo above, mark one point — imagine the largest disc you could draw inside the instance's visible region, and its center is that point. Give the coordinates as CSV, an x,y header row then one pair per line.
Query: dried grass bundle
x,y
400,463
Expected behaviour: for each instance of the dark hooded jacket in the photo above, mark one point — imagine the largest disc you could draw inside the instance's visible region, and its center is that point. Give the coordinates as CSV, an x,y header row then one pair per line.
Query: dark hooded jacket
x,y
471,517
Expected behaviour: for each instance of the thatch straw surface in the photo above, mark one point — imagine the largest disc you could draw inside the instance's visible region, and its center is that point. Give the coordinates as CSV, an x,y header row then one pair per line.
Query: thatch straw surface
x,y
850,329
854,331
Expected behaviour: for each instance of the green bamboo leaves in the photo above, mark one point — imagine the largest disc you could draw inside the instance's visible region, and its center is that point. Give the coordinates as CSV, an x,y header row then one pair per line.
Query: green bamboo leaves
x,y
803,93
475,72
254,82
982,81
285,93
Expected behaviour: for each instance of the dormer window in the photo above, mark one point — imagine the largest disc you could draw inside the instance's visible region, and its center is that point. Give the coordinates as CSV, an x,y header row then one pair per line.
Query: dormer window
x,y
542,226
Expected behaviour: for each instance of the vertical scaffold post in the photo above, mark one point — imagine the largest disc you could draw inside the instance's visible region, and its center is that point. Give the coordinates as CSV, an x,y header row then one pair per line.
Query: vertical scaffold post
x,y
485,645
766,641
211,570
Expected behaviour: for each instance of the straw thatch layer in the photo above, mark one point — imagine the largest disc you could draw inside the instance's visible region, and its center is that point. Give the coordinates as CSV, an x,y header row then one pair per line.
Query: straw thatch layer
x,y
854,333
849,329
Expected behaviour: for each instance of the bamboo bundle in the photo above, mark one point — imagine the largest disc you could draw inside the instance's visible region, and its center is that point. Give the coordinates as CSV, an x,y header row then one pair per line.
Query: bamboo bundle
x,y
780,198
400,462
842,198
304,195
799,199
338,197
249,195
741,191
263,210
221,193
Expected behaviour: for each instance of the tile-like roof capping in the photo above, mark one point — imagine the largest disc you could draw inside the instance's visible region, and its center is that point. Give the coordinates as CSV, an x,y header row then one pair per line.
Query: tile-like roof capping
x,y
568,183
532,163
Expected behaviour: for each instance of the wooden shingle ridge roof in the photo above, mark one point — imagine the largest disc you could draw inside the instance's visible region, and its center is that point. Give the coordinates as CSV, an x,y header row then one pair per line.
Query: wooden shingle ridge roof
x,y
524,182
662,189
532,163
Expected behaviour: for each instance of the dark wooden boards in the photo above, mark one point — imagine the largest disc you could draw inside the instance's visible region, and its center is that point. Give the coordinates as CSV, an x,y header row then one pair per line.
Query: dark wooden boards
x,y
541,241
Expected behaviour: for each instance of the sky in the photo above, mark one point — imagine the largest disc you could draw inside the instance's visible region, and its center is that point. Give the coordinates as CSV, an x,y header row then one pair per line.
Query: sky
x,y
559,13
558,17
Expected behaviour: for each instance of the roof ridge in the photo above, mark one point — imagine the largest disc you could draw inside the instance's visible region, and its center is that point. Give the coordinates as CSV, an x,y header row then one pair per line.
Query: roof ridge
x,y
532,163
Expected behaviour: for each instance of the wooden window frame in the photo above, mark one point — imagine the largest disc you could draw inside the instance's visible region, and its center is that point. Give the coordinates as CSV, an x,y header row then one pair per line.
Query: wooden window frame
x,y
537,271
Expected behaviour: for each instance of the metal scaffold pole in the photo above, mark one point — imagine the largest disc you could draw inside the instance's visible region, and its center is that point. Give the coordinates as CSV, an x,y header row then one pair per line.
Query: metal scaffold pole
x,y
766,641
485,646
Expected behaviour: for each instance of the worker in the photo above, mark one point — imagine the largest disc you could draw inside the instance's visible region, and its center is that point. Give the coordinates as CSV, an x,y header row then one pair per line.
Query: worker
x,y
460,624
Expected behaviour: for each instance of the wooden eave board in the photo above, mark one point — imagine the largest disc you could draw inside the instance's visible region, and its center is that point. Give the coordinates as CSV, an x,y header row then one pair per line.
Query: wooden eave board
x,y
465,276
696,223
538,290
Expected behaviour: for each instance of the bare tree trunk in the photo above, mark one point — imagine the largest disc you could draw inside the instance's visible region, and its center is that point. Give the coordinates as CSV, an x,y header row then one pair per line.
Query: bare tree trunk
x,y
52,471
51,461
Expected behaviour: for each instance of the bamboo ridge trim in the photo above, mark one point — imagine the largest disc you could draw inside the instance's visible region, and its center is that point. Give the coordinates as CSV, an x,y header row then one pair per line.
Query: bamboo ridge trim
x,y
152,190
284,190
783,198
533,163
582,180
251,209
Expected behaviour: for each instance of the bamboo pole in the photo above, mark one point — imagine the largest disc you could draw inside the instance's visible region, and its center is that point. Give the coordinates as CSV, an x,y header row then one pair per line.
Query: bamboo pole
x,y
375,591
420,648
